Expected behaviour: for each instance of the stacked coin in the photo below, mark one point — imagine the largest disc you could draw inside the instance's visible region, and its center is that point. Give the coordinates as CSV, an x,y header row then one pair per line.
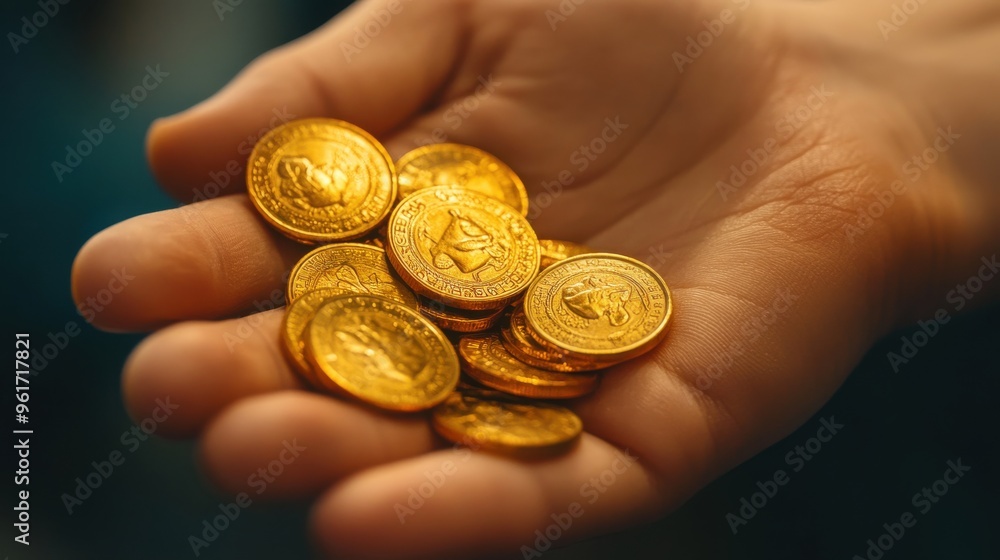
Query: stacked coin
x,y
438,243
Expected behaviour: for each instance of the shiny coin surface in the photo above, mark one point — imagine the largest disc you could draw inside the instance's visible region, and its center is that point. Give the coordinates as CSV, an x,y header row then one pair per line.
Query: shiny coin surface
x,y
600,306
486,360
351,268
457,165
462,248
522,343
554,251
382,353
545,360
459,320
502,422
522,335
321,180
293,328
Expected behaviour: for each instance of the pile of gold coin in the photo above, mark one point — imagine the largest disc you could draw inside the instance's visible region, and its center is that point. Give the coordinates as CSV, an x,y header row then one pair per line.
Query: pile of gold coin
x,y
427,268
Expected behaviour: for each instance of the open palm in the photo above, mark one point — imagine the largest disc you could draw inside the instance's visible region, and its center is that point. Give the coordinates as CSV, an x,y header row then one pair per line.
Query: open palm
x,y
745,150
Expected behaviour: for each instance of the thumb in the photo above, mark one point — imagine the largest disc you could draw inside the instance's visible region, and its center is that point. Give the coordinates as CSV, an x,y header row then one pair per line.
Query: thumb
x,y
374,65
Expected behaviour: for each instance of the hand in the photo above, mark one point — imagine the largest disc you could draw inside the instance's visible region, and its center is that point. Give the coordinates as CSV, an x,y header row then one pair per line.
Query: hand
x,y
768,174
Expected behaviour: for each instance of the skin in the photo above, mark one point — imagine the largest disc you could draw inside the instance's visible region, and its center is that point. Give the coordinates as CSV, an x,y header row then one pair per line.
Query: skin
x,y
770,285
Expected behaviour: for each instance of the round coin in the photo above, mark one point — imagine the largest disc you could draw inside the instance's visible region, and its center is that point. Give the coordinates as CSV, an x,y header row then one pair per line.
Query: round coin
x,y
486,360
456,165
462,248
352,268
297,316
321,180
382,353
599,306
502,422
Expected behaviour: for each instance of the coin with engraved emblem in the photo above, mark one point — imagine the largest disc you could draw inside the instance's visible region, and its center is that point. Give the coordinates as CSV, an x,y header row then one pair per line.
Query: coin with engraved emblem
x,y
600,306
457,165
352,268
501,422
293,328
554,251
321,180
462,248
485,358
382,353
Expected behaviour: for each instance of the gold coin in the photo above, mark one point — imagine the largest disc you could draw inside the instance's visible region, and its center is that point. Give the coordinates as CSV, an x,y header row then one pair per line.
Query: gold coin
x,y
352,268
535,346
456,165
382,353
459,320
321,180
485,359
462,248
532,354
502,422
522,345
521,332
600,306
554,251
552,357
293,328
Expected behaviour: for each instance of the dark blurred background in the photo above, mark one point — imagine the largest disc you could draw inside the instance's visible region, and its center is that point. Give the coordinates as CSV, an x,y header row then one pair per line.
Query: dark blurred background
x,y
900,428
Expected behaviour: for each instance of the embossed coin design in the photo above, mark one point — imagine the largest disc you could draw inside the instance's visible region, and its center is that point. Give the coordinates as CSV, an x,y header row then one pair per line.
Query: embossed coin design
x,y
503,422
600,305
462,248
485,359
352,268
293,329
321,180
382,352
457,165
